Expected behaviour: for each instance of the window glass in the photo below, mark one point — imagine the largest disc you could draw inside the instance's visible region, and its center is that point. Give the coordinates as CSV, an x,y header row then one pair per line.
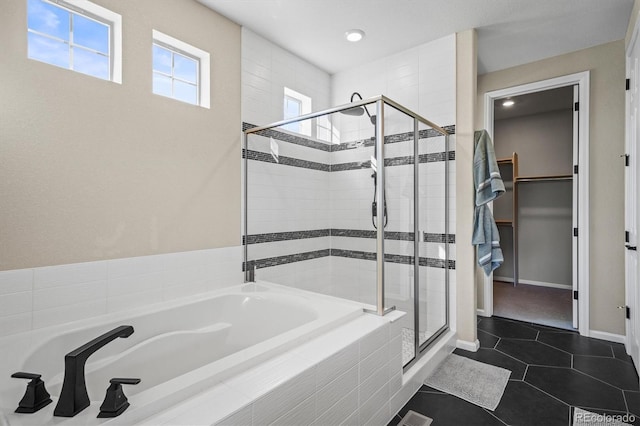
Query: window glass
x,y
162,85
87,62
68,39
292,108
175,75
91,34
48,50
181,71
48,19
185,68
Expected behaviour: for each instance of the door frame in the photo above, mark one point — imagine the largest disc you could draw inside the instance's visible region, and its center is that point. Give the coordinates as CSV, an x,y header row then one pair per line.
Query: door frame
x,y
630,293
580,79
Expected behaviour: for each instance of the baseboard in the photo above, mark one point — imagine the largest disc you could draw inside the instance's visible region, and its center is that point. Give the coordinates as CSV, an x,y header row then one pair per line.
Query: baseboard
x,y
481,313
531,282
468,346
611,337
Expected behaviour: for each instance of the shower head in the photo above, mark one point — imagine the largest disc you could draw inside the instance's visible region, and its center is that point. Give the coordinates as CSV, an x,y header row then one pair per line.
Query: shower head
x,y
357,111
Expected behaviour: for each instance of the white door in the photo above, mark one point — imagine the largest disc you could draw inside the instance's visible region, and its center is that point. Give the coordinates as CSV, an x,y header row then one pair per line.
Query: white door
x,y
631,204
574,220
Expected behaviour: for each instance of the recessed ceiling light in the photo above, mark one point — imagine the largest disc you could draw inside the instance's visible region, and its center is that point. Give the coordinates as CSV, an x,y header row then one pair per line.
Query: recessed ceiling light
x,y
354,35
508,103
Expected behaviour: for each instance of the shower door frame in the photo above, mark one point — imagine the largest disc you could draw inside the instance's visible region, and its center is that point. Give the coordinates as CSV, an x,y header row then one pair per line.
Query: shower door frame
x,y
380,102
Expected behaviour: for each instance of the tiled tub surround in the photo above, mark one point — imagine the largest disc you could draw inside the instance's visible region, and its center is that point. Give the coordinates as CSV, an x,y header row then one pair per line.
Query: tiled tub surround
x,y
34,298
351,375
178,348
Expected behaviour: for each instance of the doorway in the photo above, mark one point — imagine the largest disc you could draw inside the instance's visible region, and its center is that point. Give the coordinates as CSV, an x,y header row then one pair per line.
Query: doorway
x,y
533,140
543,157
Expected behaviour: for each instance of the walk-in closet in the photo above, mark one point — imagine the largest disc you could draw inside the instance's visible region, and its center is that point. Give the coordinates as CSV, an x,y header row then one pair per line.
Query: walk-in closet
x,y
534,145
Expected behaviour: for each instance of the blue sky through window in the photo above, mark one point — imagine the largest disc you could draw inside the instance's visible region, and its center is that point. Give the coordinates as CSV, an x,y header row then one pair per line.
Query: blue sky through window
x,y
175,75
67,39
292,108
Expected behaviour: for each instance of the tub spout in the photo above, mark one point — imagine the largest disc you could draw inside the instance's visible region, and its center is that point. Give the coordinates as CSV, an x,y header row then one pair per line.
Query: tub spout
x,y
74,397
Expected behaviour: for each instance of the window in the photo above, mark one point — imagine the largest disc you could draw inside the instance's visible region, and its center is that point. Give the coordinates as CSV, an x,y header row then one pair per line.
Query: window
x,y
77,35
180,71
292,108
296,104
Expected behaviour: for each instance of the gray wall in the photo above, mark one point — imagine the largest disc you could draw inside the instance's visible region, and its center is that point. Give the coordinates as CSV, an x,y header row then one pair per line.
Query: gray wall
x,y
93,170
543,142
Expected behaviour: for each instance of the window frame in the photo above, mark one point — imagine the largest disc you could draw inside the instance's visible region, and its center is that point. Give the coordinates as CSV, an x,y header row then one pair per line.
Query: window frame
x,y
94,12
202,58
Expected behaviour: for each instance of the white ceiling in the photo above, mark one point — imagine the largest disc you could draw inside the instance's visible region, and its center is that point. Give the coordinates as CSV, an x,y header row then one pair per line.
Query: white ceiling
x,y
510,32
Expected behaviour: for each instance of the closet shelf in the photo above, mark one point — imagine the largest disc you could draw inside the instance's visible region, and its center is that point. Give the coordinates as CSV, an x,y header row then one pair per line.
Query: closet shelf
x,y
504,222
543,178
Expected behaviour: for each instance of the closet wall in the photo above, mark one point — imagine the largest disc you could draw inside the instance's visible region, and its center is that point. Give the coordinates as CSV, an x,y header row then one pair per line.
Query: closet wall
x,y
544,144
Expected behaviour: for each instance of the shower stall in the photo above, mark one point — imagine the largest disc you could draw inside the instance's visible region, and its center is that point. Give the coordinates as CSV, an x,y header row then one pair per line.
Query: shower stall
x,y
353,202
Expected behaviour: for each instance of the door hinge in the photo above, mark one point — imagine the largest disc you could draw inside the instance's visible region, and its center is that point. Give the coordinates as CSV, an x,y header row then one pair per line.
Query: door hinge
x,y
626,236
626,159
576,106
575,169
628,312
627,84
575,294
575,232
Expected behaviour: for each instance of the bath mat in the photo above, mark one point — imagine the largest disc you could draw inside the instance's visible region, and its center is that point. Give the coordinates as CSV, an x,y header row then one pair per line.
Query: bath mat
x,y
587,418
415,419
476,382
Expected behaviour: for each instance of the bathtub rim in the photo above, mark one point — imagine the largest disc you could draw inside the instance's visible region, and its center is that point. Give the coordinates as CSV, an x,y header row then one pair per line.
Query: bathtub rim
x,y
26,343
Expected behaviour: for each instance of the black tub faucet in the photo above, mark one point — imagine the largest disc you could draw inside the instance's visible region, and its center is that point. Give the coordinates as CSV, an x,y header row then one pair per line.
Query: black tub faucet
x,y
74,397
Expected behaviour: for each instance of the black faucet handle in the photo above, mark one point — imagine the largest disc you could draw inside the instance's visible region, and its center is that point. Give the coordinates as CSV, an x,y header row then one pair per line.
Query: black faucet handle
x,y
124,381
115,401
36,395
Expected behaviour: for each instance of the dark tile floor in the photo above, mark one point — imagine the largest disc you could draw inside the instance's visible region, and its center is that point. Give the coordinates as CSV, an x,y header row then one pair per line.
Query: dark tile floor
x,y
553,371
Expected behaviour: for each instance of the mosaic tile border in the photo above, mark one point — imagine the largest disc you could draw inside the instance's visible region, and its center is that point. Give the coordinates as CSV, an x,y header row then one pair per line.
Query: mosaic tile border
x,y
351,254
398,137
340,167
348,233
286,161
286,236
329,147
286,137
290,258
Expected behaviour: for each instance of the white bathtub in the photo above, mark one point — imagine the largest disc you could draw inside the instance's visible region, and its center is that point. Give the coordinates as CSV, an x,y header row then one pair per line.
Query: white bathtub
x,y
177,349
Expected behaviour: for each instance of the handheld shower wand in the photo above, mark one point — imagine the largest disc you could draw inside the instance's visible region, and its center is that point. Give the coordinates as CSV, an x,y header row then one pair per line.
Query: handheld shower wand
x,y
357,111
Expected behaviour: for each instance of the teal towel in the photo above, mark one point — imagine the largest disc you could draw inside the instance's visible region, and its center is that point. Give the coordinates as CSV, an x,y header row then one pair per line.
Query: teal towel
x,y
486,174
489,186
487,238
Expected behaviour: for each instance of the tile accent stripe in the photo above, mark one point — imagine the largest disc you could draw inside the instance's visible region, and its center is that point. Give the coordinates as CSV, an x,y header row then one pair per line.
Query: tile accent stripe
x,y
286,236
353,233
330,147
286,161
286,137
351,254
356,165
290,258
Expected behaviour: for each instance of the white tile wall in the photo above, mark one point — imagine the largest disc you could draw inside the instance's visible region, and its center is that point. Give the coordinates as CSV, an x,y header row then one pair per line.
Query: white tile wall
x,y
288,198
46,296
266,70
